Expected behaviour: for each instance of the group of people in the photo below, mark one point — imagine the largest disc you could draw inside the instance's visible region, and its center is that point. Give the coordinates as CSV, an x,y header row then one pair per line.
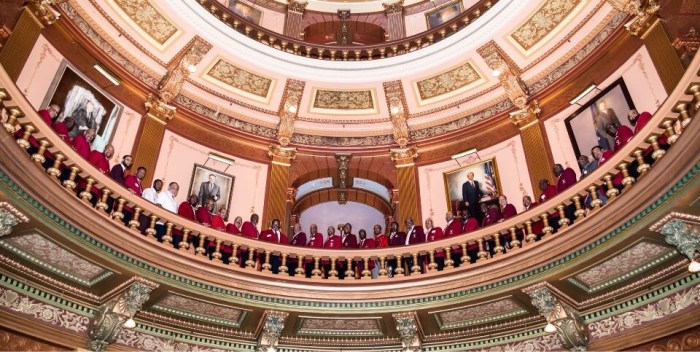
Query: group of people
x,y
471,215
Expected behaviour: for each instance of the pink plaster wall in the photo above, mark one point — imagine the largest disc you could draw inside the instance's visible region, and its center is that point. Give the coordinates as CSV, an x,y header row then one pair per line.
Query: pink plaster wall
x,y
645,88
176,162
39,71
512,169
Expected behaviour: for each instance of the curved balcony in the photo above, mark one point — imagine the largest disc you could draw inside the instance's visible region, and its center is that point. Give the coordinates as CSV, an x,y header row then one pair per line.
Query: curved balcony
x,y
525,253
346,52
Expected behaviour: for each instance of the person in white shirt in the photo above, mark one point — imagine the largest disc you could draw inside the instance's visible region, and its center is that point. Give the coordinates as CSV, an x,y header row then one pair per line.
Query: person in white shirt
x,y
151,194
167,199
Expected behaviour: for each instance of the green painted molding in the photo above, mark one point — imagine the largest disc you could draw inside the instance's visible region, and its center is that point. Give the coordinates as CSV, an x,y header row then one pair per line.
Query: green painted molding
x,y
12,189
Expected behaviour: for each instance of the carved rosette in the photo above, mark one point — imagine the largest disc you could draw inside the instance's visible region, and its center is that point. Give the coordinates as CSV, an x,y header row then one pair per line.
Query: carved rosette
x,y
271,330
407,327
112,315
171,84
395,7
9,218
159,109
289,110
642,10
296,6
570,328
43,9
682,231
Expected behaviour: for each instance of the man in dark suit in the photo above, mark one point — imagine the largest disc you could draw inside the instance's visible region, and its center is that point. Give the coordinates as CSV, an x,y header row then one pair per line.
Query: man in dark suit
x,y
471,194
209,189
118,171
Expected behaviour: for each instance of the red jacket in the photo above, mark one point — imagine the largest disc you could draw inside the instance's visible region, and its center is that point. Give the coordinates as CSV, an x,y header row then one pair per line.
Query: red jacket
x,y
472,224
81,145
508,212
435,234
624,134
381,241
567,178
350,241
416,236
45,115
270,236
249,230
298,239
492,216
98,160
334,242
397,239
204,217
133,183
217,222
316,240
186,211
62,131
548,193
232,228
367,243
642,121
454,228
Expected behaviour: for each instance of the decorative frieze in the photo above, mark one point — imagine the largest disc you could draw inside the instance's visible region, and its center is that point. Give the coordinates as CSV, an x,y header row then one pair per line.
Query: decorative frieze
x,y
289,110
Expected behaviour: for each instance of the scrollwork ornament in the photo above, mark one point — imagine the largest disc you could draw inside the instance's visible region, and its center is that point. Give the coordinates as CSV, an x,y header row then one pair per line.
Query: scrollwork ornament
x,y
44,11
572,332
111,317
642,10
9,218
271,331
681,235
408,331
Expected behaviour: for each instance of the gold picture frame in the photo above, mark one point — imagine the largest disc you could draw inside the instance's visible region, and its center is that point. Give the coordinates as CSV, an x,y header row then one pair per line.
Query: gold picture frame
x,y
443,13
454,179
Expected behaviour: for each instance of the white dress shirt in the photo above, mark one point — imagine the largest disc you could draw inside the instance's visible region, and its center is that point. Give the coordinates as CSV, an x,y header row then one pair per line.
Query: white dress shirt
x,y
167,201
150,195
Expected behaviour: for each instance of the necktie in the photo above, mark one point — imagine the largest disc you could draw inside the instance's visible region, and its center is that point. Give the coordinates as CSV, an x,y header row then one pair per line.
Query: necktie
x,y
211,186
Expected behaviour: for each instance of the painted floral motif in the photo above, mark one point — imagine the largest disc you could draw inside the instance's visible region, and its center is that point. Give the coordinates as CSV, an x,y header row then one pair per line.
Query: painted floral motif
x,y
58,317
627,261
148,19
480,313
446,82
650,312
240,79
543,22
344,99
144,342
44,250
548,342
187,304
316,326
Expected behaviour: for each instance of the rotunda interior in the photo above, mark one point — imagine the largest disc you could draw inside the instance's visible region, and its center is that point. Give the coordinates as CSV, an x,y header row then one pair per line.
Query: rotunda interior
x,y
322,175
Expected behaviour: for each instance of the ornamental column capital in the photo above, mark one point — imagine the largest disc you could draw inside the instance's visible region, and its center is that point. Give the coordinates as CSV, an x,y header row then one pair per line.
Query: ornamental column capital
x,y
281,155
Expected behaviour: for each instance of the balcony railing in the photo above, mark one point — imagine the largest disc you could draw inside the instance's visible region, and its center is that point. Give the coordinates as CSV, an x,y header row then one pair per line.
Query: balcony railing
x,y
675,114
346,52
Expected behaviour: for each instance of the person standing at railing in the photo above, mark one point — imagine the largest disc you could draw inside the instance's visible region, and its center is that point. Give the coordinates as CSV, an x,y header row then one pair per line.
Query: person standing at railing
x,y
62,128
166,200
299,240
249,229
205,213
433,234
315,241
235,226
507,209
273,235
380,239
349,238
621,133
49,114
133,182
565,178
81,143
188,209
118,171
151,194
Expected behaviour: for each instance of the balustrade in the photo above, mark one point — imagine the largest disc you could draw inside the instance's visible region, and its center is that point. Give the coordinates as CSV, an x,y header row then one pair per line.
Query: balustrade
x,y
116,203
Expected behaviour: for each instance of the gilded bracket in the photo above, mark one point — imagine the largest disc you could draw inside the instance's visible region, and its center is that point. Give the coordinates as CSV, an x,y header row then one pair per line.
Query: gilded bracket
x,y
271,330
407,326
682,231
570,328
9,218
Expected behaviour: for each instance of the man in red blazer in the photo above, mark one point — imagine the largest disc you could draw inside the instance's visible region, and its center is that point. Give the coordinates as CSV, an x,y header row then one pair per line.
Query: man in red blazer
x,y
366,243
396,238
218,220
299,237
315,241
493,215
274,234
453,227
433,234
507,209
548,191
100,160
133,182
187,209
380,239
414,234
249,228
62,128
622,135
333,241
349,238
235,226
205,214
81,143
565,177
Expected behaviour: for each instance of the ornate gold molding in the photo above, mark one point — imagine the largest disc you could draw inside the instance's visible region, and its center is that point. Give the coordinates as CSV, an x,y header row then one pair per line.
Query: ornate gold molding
x,y
171,84
508,75
281,155
393,7
289,110
296,6
398,112
642,10
526,116
403,156
159,110
43,10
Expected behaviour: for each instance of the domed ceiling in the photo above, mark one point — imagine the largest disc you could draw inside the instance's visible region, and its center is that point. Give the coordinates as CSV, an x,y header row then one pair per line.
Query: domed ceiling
x,y
442,85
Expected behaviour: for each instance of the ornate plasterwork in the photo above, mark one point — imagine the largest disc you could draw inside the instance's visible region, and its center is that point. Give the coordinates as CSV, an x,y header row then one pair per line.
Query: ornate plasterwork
x,y
273,323
144,342
181,67
336,101
570,328
479,314
9,218
448,83
200,310
647,313
547,342
47,314
49,255
289,110
632,261
340,327
143,15
240,81
543,22
407,327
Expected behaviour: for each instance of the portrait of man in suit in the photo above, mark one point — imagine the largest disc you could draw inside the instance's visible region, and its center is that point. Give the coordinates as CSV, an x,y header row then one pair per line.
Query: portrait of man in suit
x,y
209,189
471,194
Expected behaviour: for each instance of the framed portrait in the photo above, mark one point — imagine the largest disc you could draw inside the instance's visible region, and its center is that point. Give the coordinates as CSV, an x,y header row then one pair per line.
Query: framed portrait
x,y
485,173
249,13
443,13
209,183
86,103
586,126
